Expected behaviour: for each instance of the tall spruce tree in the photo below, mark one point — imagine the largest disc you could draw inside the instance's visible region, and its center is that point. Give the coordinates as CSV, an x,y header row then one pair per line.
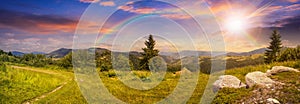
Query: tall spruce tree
x,y
149,52
273,50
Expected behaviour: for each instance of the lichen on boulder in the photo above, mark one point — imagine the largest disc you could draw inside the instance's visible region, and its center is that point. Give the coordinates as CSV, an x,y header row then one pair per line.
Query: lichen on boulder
x,y
258,78
228,81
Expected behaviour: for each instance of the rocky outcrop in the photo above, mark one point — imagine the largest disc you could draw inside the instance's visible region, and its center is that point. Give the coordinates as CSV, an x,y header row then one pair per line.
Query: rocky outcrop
x,y
228,81
258,78
279,69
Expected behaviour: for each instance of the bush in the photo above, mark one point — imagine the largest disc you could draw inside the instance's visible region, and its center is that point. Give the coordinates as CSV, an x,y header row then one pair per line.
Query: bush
x,y
35,60
290,54
111,73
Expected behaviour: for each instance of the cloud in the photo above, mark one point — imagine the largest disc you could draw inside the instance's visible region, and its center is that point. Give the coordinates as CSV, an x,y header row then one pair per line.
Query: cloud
x,y
89,1
125,7
144,10
292,1
35,24
177,16
30,44
270,10
140,10
106,31
294,7
218,5
9,34
107,3
292,24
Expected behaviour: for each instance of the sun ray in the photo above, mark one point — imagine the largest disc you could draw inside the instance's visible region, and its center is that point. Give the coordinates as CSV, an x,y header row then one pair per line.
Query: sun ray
x,y
259,10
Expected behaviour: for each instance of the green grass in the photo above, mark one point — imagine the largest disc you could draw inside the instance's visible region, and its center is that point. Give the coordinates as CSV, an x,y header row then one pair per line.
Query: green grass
x,y
130,95
19,85
291,91
69,94
229,95
241,72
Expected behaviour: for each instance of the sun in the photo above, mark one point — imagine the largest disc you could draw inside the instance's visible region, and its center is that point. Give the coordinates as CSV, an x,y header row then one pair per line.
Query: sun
x,y
235,24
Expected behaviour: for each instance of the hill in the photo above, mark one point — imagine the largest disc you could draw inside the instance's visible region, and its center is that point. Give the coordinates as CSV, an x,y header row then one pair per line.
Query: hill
x,y
257,51
59,53
167,55
190,53
17,53
36,52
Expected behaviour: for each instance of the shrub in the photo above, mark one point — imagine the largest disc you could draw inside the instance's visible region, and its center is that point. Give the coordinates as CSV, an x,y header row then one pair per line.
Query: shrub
x,y
111,73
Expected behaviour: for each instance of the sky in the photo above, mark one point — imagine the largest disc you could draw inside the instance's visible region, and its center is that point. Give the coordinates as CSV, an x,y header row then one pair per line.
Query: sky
x,y
244,25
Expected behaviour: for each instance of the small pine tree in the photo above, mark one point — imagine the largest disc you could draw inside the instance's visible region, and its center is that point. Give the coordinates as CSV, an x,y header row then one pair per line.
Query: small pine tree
x,y
273,50
149,52
10,54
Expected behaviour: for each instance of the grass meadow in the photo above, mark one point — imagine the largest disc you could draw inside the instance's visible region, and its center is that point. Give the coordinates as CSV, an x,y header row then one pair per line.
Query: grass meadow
x,y
19,85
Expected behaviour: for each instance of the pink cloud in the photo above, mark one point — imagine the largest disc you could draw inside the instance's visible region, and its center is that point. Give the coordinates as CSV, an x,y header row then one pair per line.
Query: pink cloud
x,y
270,10
292,1
125,8
89,1
107,3
293,7
142,10
129,3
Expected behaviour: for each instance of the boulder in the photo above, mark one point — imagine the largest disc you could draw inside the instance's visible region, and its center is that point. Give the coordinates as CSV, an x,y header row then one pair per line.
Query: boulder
x,y
279,69
258,78
272,101
228,81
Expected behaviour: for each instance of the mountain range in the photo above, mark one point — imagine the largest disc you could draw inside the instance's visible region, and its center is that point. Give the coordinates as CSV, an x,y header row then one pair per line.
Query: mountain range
x,y
59,53
64,51
17,53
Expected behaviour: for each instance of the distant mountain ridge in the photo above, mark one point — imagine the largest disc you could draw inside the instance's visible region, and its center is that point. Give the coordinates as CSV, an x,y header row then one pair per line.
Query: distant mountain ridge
x,y
17,53
188,53
59,53
257,51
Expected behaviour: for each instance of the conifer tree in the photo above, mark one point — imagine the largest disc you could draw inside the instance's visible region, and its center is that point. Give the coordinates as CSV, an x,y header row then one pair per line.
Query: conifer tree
x,y
149,52
273,50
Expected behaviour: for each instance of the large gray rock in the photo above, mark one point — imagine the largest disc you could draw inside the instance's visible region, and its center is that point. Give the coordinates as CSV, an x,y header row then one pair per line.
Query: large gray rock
x,y
279,69
258,78
227,81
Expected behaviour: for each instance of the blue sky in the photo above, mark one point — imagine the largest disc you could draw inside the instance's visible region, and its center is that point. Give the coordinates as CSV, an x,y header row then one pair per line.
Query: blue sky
x,y
46,25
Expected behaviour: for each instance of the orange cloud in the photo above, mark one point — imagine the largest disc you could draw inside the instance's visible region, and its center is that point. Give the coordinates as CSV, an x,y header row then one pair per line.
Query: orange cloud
x,y
107,3
106,31
220,7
